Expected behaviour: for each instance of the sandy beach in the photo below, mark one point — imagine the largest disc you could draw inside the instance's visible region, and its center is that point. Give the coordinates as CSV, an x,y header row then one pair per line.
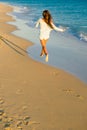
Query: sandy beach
x,y
34,96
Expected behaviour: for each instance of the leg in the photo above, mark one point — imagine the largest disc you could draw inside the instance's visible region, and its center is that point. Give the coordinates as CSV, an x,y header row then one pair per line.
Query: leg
x,y
43,44
44,50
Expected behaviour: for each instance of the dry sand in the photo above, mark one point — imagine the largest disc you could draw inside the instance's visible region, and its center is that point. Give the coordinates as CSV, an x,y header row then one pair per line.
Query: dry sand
x,y
34,96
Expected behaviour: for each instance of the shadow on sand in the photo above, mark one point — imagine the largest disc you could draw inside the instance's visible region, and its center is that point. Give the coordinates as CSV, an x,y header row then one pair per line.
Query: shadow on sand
x,y
13,45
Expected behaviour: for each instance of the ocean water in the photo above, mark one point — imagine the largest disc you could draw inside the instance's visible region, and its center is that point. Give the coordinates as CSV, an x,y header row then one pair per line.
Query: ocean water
x,y
68,50
68,13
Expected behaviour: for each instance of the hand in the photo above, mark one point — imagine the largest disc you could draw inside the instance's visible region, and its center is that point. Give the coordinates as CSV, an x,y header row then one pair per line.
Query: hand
x,y
64,30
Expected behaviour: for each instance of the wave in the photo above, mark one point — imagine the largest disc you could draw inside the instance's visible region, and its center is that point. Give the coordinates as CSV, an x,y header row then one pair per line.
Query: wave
x,y
20,9
31,14
83,36
83,26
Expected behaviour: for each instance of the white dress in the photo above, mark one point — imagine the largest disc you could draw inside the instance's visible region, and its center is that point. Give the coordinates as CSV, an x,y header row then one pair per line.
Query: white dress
x,y
45,29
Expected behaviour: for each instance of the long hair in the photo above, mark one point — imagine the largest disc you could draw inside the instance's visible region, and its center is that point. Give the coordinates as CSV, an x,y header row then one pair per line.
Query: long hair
x,y
47,17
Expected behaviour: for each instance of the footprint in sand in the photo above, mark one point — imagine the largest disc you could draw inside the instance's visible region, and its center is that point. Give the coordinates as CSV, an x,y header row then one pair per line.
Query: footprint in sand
x,y
1,111
33,124
54,73
69,91
5,116
8,122
24,107
22,121
19,123
80,97
26,120
16,122
1,101
0,119
19,91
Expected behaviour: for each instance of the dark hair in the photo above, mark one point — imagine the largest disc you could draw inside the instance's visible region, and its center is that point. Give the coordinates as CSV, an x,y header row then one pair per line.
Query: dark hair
x,y
47,17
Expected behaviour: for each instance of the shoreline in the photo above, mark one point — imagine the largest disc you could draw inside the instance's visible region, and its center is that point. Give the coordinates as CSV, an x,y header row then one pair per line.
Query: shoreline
x,y
34,95
74,51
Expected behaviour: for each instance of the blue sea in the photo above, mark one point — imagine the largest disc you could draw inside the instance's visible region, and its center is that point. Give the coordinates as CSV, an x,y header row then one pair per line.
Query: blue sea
x,y
68,50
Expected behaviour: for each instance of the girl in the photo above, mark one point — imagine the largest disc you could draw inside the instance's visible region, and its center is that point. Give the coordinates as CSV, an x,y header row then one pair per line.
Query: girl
x,y
46,26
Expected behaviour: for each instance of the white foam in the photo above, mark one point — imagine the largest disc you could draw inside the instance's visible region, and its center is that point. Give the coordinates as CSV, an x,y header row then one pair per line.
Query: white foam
x,y
20,9
83,36
24,30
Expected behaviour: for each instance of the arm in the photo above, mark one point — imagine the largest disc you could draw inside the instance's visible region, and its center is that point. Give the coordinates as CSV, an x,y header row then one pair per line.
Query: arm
x,y
57,28
37,23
